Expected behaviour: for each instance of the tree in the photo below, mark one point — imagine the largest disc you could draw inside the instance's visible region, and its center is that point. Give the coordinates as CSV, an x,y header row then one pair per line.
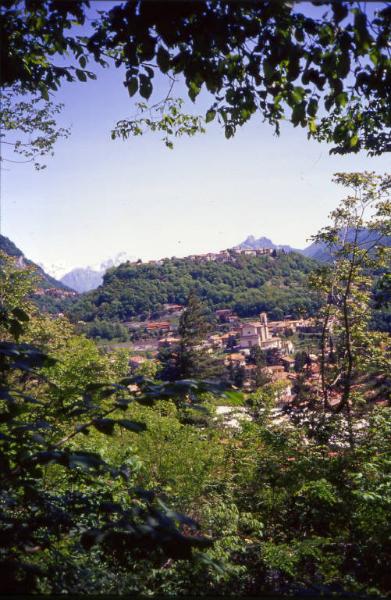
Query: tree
x,y
28,126
356,241
189,358
232,342
193,360
302,361
237,374
257,356
15,284
329,73
273,356
260,375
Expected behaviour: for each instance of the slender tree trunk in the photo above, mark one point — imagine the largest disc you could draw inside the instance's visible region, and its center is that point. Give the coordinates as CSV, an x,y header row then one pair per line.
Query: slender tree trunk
x,y
323,362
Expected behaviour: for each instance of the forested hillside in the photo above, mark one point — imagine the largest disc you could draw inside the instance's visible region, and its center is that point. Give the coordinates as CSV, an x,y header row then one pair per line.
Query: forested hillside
x,y
249,285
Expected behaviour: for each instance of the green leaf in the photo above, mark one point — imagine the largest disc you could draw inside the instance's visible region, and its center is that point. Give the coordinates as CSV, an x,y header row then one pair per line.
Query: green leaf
x,y
104,426
312,125
81,75
293,68
93,387
85,460
343,67
123,404
298,94
210,115
312,107
375,55
145,86
354,141
163,59
132,425
268,69
15,328
44,92
194,90
342,99
340,11
228,131
132,86
298,114
20,314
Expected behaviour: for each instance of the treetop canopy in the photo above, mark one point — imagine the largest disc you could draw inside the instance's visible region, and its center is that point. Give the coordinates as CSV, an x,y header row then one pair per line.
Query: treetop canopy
x,y
329,73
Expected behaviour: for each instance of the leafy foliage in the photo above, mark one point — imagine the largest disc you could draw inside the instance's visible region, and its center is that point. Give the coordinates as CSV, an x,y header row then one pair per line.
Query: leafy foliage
x,y
327,72
165,117
348,347
28,127
58,498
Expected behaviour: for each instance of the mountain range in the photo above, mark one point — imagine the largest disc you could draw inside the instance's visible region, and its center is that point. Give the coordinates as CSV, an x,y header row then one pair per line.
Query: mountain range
x,y
85,279
317,250
252,243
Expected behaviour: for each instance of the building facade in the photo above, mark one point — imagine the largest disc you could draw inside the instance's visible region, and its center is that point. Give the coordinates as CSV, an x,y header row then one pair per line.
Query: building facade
x,y
256,333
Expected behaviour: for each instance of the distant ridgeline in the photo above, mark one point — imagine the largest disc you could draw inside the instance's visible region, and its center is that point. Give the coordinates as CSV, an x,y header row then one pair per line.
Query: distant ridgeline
x,y
248,284
45,281
317,250
366,238
50,295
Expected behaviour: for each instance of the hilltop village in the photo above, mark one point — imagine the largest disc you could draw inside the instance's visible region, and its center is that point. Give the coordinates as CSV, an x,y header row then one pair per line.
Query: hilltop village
x,y
228,255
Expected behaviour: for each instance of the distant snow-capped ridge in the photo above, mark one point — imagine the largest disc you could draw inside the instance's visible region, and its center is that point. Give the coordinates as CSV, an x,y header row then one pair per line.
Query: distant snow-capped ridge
x,y
84,279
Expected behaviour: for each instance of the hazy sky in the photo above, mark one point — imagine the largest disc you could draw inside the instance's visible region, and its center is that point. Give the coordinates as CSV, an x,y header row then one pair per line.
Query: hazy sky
x,y
99,197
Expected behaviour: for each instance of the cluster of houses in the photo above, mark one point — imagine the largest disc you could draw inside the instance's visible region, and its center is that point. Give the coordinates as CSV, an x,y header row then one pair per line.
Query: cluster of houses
x,y
235,345
243,335
228,255
55,292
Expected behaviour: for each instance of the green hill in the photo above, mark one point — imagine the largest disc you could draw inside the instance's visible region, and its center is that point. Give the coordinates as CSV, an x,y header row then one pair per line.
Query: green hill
x,y
249,285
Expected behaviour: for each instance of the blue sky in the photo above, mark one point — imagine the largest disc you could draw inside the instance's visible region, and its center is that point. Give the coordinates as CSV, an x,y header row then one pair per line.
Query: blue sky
x,y
99,197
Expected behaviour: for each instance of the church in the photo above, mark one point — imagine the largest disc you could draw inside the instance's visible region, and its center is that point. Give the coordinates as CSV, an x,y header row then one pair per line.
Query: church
x,y
256,333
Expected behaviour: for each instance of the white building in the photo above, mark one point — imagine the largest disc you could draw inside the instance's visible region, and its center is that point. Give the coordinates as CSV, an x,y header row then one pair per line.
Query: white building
x,y
256,333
